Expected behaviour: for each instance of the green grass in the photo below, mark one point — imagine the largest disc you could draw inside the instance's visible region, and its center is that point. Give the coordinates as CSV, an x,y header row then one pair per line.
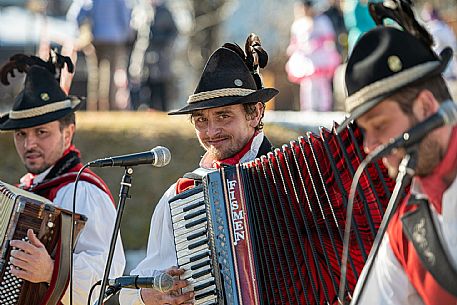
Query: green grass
x,y
115,133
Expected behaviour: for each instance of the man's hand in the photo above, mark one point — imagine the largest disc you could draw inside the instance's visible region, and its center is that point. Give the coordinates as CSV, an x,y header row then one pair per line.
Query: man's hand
x,y
174,297
35,264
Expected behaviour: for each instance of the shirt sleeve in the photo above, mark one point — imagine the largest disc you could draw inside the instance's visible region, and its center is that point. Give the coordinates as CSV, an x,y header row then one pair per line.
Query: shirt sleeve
x,y
161,253
91,251
388,284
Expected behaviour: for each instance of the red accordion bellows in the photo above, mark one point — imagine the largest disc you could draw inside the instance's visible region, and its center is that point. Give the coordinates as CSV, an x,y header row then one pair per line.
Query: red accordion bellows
x,y
296,199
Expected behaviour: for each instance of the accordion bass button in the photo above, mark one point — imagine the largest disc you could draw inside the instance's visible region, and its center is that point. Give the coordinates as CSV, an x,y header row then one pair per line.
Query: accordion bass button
x,y
50,224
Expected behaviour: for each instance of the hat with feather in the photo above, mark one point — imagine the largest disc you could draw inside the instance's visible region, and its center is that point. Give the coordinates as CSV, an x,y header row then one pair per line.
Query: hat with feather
x,y
387,59
42,100
231,76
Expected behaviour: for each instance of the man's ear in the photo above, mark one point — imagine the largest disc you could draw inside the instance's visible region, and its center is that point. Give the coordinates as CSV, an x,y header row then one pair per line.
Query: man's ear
x,y
257,116
425,105
68,133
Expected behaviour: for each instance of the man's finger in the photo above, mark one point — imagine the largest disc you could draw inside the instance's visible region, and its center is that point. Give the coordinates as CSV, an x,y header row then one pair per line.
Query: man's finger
x,y
19,263
33,239
174,271
20,274
23,245
178,284
20,255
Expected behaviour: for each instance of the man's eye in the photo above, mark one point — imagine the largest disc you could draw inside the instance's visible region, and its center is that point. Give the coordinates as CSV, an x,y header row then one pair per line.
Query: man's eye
x,y
200,120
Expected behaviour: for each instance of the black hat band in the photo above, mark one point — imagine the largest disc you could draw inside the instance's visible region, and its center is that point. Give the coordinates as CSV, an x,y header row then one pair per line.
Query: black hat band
x,y
203,96
389,84
42,110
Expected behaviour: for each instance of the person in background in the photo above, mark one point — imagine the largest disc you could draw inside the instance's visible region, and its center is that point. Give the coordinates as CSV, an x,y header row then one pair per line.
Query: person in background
x,y
42,122
394,81
313,57
335,14
158,58
443,37
227,110
109,27
357,20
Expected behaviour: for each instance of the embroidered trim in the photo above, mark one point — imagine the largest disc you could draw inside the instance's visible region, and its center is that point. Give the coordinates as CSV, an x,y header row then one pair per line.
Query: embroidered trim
x,y
34,112
390,83
218,93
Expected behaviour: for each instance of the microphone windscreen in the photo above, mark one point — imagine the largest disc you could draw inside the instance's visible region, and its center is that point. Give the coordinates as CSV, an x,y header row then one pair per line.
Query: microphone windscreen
x,y
163,282
163,156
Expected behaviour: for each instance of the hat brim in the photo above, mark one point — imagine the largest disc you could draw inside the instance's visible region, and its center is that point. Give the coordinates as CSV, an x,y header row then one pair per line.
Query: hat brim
x,y
262,95
445,56
12,124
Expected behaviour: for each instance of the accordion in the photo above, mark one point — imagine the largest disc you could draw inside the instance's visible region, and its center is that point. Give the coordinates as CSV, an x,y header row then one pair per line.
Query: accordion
x,y
21,210
270,231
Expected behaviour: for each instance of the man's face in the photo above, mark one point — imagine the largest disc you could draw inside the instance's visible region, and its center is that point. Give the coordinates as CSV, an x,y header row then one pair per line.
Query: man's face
x,y
386,121
224,131
41,146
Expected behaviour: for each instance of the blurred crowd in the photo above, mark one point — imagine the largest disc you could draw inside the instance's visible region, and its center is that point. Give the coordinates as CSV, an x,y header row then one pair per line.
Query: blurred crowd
x,y
128,49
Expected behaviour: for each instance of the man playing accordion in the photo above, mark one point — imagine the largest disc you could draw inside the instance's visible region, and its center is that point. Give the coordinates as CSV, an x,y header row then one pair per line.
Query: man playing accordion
x,y
43,124
394,82
227,110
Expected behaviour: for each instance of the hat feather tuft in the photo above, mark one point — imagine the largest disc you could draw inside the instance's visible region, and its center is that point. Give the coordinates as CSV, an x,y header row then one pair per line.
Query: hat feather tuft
x,y
22,63
400,11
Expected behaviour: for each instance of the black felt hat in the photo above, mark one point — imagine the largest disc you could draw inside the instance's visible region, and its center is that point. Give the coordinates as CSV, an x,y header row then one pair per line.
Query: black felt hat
x,y
41,101
226,80
385,60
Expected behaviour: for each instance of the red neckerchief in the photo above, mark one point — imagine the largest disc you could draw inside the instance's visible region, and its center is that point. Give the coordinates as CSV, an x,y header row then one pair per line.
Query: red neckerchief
x,y
433,185
237,157
27,179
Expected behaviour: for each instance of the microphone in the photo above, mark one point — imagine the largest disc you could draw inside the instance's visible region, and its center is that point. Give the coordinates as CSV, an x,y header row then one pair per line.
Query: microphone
x,y
446,115
158,156
162,282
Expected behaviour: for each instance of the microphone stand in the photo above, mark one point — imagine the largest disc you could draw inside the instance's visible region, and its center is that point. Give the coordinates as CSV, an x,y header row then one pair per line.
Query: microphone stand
x,y
406,171
126,183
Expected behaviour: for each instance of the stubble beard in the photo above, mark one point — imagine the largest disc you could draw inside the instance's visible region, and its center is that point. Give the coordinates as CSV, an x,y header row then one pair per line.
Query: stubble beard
x,y
218,154
430,155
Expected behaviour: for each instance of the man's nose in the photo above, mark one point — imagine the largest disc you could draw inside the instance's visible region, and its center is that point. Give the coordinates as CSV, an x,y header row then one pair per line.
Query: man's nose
x,y
30,142
213,128
370,144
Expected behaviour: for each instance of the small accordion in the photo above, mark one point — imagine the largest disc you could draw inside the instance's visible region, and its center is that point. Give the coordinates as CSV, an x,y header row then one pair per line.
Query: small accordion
x,y
271,231
21,210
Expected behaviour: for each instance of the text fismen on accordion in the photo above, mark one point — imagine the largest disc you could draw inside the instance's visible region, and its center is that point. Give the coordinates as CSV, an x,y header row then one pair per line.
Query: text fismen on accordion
x,y
270,231
21,210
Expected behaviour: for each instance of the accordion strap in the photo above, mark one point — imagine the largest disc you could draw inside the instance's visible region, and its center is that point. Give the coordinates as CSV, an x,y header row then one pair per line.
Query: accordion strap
x,y
420,229
63,272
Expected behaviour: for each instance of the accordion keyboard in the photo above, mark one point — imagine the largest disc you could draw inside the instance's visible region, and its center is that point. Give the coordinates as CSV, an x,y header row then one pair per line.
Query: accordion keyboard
x,y
189,218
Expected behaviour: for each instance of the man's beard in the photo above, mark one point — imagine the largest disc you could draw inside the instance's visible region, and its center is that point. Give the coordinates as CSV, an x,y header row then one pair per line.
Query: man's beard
x,y
429,155
217,154
37,171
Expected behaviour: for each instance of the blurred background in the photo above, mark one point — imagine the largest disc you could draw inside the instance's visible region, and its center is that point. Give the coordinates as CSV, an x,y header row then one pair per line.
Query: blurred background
x,y
138,59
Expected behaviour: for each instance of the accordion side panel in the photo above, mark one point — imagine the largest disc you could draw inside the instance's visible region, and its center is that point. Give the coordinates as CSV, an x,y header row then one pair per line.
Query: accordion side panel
x,y
222,245
240,237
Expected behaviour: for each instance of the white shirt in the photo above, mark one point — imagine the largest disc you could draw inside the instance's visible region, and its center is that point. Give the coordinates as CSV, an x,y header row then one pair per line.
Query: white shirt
x,y
91,251
161,253
388,283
